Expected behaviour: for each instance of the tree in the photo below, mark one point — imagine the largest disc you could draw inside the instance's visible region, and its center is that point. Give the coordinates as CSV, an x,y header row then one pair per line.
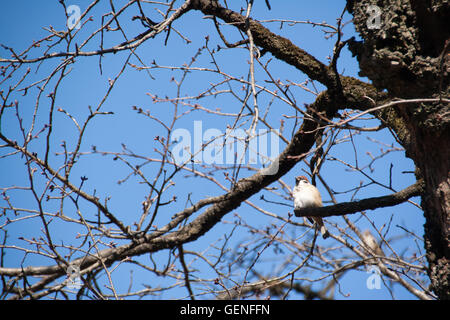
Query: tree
x,y
60,150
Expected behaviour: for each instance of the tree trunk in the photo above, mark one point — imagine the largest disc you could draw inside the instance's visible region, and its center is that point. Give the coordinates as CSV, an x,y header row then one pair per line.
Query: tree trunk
x,y
433,161
409,42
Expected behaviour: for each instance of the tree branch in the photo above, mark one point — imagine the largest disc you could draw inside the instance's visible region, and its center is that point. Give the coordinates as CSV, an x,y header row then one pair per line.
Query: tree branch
x,y
344,208
280,47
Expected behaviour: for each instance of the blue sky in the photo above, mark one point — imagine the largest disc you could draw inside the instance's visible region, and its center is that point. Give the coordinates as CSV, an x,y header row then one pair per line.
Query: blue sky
x,y
21,22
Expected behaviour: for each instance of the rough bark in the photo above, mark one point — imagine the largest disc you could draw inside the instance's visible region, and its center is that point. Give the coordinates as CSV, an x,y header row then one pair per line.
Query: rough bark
x,y
412,48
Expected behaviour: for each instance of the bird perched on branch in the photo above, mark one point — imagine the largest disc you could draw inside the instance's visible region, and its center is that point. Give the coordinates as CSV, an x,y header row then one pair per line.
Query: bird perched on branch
x,y
307,196
372,243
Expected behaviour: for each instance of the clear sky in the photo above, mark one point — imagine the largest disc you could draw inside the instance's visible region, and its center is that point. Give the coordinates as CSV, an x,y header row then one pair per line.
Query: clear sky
x,y
22,22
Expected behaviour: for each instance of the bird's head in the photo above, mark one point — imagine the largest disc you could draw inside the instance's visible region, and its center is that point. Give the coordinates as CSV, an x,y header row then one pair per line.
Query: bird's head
x,y
301,180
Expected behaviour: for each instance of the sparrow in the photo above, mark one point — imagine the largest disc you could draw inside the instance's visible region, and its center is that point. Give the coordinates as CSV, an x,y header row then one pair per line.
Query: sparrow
x,y
372,243
306,196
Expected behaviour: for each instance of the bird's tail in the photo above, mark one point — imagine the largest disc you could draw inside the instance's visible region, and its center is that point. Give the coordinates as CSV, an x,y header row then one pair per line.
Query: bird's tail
x,y
323,229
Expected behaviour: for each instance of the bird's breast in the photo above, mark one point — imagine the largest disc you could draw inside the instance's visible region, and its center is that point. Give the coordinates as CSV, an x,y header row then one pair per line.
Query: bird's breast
x,y
305,198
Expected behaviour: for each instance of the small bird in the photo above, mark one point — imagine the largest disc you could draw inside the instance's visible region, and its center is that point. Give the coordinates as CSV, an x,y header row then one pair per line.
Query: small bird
x,y
307,196
372,243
